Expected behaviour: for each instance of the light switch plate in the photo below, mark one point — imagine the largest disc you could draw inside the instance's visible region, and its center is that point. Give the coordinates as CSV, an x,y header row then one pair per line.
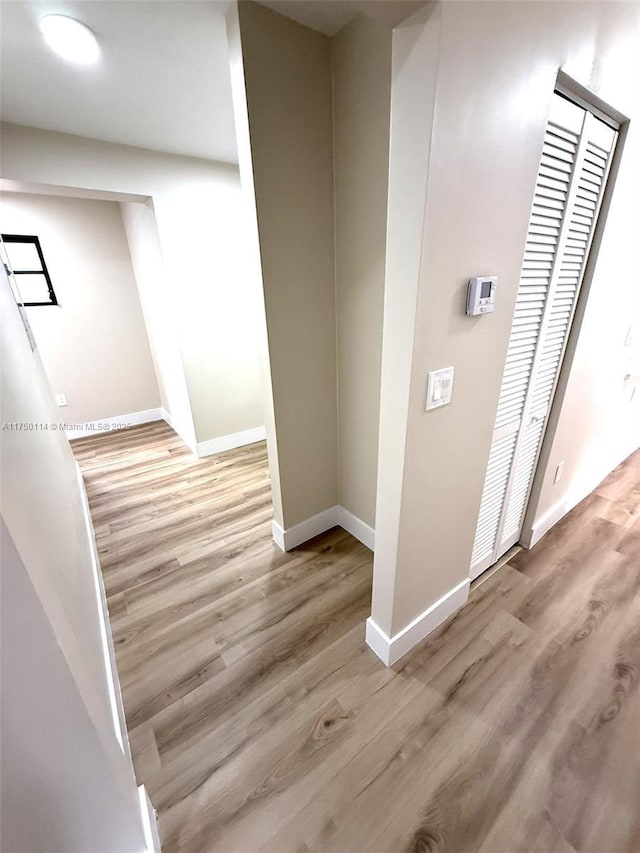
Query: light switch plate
x,y
439,388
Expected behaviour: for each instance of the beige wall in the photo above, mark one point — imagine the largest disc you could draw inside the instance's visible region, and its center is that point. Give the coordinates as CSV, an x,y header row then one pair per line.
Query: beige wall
x,y
361,103
477,143
48,565
94,343
197,210
415,52
251,246
155,295
58,791
287,71
202,238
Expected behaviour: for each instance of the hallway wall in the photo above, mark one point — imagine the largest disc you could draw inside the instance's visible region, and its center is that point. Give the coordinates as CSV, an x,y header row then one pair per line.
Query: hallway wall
x,y
361,55
466,141
200,229
141,230
94,343
287,75
52,619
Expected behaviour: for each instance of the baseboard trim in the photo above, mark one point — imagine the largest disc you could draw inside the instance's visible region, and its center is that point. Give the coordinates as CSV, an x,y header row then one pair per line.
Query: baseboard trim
x,y
362,531
391,649
110,424
535,532
149,822
291,537
106,637
147,812
231,441
334,516
167,417
201,449
277,532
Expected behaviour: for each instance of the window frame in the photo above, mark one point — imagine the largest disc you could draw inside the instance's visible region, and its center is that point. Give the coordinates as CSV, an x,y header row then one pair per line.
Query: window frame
x,y
35,241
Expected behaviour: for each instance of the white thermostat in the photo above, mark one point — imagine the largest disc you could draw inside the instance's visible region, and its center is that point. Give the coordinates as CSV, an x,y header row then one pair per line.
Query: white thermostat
x,y
481,294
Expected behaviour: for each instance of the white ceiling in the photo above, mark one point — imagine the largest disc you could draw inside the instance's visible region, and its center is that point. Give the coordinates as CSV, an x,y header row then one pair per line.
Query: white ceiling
x,y
325,16
330,16
163,81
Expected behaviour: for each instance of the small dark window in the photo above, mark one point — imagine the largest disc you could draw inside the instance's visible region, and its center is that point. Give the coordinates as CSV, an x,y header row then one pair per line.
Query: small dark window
x,y
28,266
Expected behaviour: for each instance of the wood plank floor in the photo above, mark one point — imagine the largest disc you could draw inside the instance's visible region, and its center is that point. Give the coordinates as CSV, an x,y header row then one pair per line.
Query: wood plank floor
x,y
260,721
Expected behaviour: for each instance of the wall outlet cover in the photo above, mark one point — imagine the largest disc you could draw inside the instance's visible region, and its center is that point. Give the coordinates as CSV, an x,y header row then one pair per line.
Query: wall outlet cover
x,y
61,400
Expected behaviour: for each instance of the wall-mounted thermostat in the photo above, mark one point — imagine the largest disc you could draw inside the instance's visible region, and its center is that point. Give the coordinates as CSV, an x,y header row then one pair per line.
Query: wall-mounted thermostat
x,y
481,294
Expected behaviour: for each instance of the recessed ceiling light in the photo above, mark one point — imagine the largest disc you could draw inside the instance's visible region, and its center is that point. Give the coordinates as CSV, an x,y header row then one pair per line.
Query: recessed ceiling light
x,y
70,39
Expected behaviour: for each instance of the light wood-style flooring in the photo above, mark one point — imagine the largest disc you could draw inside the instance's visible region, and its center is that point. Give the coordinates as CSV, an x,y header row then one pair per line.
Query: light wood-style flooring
x,y
260,721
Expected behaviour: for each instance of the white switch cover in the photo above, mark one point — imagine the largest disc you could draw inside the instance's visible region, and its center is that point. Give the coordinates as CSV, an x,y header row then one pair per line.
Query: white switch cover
x,y
439,388
61,400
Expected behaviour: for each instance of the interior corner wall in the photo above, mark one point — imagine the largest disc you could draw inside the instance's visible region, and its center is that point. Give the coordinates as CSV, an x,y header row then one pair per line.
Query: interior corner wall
x,y
484,139
287,75
146,257
200,229
361,54
202,237
94,343
414,65
252,246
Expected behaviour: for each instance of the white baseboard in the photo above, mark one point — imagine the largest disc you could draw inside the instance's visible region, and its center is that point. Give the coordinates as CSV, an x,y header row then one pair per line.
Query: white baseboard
x,y
229,442
149,822
335,516
359,529
167,417
391,649
202,448
120,422
106,637
307,529
535,532
362,531
147,812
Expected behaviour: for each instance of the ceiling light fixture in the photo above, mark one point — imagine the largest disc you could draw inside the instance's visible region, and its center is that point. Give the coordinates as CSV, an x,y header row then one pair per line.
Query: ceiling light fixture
x,y
70,39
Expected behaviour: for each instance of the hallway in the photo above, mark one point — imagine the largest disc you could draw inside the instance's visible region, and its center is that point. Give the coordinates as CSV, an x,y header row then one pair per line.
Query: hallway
x,y
260,721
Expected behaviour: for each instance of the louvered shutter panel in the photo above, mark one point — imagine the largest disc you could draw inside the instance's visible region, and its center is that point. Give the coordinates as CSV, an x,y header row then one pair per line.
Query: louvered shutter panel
x,y
571,177
495,487
523,470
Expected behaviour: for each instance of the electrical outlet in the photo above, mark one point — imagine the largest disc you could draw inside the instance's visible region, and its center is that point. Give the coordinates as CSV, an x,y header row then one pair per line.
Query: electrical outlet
x,y
559,470
61,400
629,338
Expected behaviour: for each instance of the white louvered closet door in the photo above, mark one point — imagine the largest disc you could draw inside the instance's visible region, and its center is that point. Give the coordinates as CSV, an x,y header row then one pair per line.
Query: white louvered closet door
x,y
571,177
